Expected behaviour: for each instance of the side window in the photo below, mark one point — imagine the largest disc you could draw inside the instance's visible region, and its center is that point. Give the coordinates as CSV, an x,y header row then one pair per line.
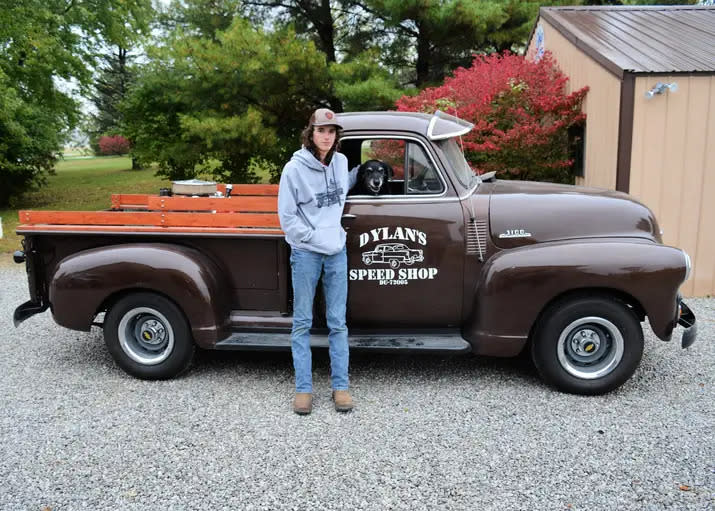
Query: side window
x,y
422,176
391,152
398,155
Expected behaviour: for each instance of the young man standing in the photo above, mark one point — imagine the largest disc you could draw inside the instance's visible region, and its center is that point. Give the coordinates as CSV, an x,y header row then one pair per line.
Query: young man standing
x,y
311,198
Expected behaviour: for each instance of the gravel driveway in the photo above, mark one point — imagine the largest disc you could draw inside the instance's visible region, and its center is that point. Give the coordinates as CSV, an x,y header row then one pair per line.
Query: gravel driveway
x,y
428,432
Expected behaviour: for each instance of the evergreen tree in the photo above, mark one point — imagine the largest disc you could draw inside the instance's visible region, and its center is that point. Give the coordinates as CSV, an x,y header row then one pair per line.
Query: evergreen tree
x,y
110,88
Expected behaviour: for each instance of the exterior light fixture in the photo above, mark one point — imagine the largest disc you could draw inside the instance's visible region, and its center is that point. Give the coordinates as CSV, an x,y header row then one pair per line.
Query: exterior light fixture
x,y
660,88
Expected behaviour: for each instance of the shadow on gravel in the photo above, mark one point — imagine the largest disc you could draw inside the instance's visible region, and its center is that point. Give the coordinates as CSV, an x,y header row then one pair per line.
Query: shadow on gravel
x,y
365,366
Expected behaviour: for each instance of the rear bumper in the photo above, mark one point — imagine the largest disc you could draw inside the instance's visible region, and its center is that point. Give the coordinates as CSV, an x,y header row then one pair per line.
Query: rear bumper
x,y
686,319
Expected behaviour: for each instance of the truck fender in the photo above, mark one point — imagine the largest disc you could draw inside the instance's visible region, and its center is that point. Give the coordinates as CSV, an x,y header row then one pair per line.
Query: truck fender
x,y
83,283
516,285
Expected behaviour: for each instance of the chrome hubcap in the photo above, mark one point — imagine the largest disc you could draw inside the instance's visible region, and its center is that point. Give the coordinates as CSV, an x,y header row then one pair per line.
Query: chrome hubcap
x,y
590,347
146,336
586,342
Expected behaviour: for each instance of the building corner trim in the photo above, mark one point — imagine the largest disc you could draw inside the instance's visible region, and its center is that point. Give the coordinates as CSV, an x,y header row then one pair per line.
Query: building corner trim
x,y
625,132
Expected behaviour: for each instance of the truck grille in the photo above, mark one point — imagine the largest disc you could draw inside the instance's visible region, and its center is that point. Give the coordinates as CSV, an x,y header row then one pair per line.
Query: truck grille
x,y
477,237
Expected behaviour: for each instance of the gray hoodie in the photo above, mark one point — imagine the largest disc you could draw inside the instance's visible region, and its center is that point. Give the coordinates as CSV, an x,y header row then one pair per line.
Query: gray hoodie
x,y
311,197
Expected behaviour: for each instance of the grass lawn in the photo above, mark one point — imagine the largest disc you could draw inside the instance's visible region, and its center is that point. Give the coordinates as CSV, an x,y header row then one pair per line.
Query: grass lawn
x,y
81,184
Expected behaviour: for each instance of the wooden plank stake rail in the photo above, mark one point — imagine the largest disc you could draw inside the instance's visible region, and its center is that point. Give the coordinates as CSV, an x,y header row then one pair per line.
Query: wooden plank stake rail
x,y
141,201
220,205
250,209
150,218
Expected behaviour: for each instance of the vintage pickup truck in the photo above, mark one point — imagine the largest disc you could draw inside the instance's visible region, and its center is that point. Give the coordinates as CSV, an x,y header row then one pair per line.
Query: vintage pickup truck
x,y
486,266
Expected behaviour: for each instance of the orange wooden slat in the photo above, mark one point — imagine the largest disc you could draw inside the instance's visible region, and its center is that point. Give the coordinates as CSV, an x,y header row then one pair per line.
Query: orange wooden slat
x,y
155,218
90,217
220,205
145,228
220,220
249,189
129,200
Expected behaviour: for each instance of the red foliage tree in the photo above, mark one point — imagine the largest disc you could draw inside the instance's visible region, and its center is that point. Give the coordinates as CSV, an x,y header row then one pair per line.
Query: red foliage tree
x,y
117,144
520,110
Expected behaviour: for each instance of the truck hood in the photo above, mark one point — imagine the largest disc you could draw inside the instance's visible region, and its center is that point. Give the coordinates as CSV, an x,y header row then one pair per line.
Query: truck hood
x,y
523,213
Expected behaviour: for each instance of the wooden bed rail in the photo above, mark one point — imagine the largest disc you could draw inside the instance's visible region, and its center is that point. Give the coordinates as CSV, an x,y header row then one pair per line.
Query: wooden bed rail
x,y
249,195
250,209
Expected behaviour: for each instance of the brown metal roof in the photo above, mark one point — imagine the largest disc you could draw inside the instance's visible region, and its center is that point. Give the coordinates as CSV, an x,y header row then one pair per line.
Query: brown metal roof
x,y
641,39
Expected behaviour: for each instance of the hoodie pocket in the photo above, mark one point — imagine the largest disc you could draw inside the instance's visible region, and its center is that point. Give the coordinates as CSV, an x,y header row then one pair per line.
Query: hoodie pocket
x,y
326,240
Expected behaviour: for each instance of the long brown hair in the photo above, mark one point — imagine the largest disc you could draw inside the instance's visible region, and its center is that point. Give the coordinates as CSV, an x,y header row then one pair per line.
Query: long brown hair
x,y
307,139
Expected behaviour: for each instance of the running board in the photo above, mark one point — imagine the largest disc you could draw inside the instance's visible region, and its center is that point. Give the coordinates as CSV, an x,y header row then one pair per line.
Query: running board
x,y
277,341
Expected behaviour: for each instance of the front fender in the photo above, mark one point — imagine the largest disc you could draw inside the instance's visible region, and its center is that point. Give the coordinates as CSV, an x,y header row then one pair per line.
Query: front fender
x,y
83,281
515,286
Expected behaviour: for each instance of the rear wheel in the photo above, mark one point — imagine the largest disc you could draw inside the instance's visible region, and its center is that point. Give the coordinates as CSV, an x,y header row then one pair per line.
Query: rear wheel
x,y
148,336
588,345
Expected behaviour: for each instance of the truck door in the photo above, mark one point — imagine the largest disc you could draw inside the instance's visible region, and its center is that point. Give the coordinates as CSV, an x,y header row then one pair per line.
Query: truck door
x,y
406,245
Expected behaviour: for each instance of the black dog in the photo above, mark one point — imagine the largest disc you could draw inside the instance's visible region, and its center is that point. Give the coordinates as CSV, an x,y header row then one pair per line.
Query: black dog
x,y
373,176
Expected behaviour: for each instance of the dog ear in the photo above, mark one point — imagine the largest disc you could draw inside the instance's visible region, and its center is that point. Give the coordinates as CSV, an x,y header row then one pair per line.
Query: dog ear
x,y
390,172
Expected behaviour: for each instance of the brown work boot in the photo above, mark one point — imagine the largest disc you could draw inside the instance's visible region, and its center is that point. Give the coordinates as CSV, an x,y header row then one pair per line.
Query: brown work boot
x,y
303,403
343,401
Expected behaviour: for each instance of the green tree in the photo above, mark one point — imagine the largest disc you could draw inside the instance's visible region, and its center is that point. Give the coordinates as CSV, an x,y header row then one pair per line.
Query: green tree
x,y
109,89
363,84
434,37
226,101
44,41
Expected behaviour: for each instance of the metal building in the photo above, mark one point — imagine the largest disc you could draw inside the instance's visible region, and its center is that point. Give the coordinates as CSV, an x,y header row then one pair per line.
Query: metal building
x,y
650,128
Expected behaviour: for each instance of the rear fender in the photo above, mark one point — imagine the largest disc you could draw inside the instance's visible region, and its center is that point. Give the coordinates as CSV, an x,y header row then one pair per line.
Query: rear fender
x,y
515,286
86,280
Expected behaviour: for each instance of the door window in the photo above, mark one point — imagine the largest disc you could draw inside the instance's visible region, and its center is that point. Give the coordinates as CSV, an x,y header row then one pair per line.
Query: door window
x,y
397,155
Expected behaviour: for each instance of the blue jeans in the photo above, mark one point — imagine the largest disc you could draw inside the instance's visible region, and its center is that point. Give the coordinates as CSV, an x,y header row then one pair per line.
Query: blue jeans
x,y
306,267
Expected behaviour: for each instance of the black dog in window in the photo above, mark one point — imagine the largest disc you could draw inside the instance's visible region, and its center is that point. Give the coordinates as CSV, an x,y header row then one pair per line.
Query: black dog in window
x,y
373,176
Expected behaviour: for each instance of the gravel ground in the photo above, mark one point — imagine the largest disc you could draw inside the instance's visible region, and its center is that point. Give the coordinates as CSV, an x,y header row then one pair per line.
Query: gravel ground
x,y
428,432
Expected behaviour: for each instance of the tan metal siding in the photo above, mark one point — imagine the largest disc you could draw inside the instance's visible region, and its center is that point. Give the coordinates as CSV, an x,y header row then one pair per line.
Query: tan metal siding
x,y
604,95
673,168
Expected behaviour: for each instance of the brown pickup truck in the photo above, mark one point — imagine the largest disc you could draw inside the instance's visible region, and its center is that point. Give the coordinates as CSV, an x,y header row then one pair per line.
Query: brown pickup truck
x,y
443,260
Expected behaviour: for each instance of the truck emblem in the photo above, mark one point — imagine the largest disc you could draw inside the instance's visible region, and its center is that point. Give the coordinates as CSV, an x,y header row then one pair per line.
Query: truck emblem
x,y
395,255
515,233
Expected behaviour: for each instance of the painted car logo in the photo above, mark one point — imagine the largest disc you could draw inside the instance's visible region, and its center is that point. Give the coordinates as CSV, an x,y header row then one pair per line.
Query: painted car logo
x,y
394,255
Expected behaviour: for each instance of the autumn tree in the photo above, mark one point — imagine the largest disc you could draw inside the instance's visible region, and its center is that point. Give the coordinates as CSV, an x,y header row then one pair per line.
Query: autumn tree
x,y
520,110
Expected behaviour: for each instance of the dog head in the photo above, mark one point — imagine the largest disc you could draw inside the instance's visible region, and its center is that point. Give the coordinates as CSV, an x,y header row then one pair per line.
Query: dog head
x,y
374,175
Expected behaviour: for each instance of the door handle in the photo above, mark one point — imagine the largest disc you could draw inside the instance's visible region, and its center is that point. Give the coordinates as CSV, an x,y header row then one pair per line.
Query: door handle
x,y
346,220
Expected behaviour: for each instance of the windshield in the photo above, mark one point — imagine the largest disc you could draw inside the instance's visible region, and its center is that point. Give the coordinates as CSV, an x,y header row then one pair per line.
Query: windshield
x,y
460,168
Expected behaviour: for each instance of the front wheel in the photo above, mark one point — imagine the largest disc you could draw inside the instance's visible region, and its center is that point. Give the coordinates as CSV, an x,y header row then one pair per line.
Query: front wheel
x,y
588,345
148,336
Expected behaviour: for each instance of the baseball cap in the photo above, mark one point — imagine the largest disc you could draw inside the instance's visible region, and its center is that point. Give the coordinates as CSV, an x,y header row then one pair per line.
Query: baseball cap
x,y
324,117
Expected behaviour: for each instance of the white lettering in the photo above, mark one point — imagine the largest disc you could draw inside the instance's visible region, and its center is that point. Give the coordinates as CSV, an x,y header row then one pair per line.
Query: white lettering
x,y
389,276
395,233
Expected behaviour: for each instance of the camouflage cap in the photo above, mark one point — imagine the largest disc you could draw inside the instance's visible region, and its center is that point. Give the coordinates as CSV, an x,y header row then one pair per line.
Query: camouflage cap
x,y
324,117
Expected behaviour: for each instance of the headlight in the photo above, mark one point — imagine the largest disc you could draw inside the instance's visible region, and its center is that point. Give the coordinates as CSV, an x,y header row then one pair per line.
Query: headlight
x,y
688,264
